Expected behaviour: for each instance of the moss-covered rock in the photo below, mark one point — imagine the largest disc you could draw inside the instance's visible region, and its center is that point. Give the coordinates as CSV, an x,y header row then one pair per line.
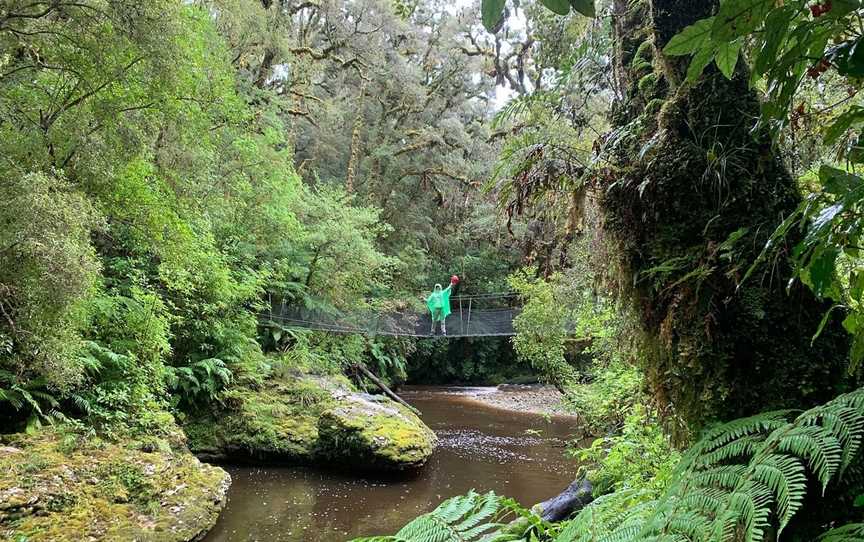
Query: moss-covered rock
x,y
372,431
276,422
64,488
306,419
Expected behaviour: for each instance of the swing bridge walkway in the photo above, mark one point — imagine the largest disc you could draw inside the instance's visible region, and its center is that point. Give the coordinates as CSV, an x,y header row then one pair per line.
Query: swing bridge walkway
x,y
481,315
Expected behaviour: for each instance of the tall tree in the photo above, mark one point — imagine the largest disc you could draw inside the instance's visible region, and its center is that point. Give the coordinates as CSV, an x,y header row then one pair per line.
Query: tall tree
x,y
692,197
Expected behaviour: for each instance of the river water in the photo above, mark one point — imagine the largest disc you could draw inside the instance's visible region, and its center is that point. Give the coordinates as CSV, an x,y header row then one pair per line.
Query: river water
x,y
512,453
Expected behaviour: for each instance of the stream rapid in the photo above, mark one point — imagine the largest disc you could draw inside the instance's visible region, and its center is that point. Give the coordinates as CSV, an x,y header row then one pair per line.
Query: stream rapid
x,y
515,454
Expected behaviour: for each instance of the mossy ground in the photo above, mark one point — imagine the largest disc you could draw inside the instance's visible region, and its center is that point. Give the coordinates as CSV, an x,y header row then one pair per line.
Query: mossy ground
x,y
306,419
58,488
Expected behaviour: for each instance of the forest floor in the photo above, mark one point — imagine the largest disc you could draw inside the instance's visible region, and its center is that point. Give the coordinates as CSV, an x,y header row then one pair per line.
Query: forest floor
x,y
536,399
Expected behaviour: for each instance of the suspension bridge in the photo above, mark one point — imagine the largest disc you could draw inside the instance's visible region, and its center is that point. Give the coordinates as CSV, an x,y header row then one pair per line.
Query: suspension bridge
x,y
481,315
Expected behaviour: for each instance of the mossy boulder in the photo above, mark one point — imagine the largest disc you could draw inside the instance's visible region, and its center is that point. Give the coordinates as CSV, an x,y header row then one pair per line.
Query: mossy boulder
x,y
308,419
59,488
372,431
278,421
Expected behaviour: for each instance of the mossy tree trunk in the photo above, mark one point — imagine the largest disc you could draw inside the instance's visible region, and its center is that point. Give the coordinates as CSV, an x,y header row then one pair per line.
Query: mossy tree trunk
x,y
690,202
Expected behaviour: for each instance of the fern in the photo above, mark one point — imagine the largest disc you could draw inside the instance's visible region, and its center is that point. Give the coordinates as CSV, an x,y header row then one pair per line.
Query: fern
x,y
30,399
468,518
848,533
741,481
200,381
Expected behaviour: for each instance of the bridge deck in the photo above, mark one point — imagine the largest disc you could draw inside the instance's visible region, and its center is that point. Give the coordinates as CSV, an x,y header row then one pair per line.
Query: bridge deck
x,y
465,320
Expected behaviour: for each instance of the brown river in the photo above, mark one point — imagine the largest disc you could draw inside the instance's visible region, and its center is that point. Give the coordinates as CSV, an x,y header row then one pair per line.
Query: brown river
x,y
512,453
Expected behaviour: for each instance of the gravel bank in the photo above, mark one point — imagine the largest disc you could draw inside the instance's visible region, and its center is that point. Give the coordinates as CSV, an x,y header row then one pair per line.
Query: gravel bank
x,y
536,399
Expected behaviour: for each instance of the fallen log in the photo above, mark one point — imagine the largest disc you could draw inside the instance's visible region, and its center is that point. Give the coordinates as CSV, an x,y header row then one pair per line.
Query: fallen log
x,y
577,496
383,387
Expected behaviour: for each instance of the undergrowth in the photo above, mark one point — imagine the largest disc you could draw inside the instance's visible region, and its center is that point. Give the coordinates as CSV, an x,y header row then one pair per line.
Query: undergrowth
x,y
749,480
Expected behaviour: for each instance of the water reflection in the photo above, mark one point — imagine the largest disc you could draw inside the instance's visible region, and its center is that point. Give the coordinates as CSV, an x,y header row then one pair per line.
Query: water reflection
x,y
515,454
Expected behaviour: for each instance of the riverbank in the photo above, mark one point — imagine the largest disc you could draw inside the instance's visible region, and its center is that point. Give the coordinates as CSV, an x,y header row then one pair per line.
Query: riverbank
x,y
534,399
481,448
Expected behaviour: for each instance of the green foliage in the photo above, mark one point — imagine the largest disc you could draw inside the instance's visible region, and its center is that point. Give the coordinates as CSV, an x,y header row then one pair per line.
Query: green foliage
x,y
199,382
640,458
744,480
748,477
566,318
606,395
541,328
846,533
471,517
790,46
493,10
32,400
47,270
474,361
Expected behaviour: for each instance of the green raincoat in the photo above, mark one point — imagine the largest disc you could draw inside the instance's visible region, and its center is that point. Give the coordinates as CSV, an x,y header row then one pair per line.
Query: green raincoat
x,y
439,303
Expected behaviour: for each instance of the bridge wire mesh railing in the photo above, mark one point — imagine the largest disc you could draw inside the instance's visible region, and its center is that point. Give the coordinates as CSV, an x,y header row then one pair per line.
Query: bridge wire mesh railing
x,y
484,315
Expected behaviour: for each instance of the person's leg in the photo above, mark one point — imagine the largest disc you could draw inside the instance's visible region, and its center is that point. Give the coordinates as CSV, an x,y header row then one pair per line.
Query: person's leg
x,y
443,326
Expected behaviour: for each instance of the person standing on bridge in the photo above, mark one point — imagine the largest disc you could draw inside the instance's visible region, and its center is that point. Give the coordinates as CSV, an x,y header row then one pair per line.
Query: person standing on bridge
x,y
439,304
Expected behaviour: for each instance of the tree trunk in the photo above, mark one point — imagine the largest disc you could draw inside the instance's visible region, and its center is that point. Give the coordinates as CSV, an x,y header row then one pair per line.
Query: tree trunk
x,y
354,155
690,202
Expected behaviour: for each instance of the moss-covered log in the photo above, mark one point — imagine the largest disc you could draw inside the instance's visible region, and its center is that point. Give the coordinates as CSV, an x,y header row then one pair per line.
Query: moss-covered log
x,y
691,200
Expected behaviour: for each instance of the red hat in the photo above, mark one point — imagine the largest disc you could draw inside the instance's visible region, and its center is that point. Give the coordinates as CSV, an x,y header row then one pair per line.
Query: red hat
x,y
454,280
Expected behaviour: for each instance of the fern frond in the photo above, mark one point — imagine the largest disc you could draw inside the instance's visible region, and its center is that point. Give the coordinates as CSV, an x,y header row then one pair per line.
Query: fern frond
x,y
787,479
854,532
468,518
742,480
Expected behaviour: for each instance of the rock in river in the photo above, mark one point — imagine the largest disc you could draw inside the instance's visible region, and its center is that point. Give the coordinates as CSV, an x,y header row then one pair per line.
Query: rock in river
x,y
373,431
311,419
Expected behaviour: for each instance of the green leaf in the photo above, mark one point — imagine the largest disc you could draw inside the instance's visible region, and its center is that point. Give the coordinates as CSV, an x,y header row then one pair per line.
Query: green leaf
x,y
859,501
851,323
561,7
850,118
699,62
585,7
727,57
776,28
820,271
492,12
825,318
838,182
848,57
691,39
737,18
841,8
